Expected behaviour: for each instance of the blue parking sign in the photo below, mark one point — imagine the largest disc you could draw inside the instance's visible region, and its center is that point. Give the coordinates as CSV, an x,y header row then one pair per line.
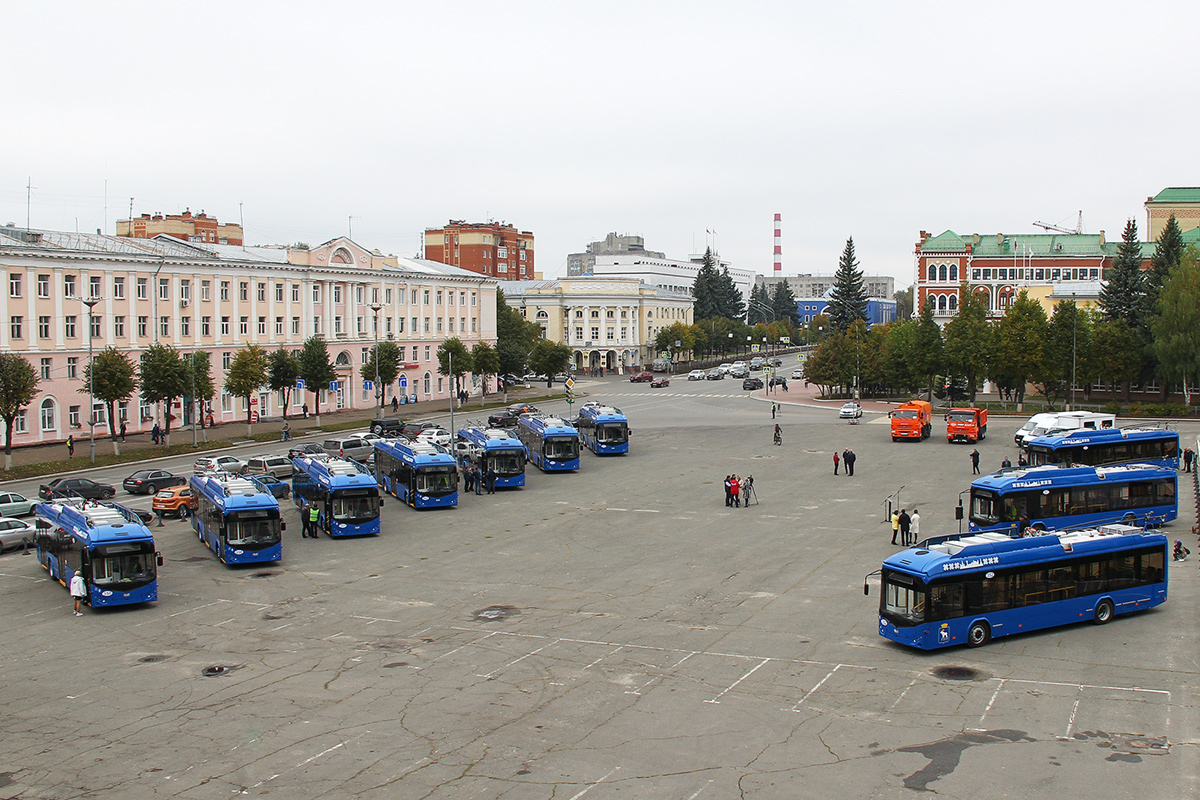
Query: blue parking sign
x,y
403,381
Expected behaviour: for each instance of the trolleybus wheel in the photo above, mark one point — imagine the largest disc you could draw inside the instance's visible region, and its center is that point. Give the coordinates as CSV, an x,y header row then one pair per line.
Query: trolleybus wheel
x,y
978,634
1104,612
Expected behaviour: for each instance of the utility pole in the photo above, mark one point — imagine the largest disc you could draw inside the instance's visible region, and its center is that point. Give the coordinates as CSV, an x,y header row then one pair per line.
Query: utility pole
x,y
378,389
91,303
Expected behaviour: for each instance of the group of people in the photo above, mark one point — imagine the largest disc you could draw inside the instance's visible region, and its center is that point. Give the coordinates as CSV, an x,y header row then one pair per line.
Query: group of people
x,y
475,479
310,520
847,459
906,526
738,490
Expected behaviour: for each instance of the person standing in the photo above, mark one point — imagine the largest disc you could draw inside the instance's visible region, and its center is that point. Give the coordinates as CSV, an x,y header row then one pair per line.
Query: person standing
x,y
728,491
395,404
154,433
1005,464
850,459
736,488
71,446
78,591
314,520
468,473
747,490
778,435
914,526
836,460
846,460
478,479
287,431
895,526
491,481
974,462
304,410
1188,458
904,521
122,431
774,409
304,521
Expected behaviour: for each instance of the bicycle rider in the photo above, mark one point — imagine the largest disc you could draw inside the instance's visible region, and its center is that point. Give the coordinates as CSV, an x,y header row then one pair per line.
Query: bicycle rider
x,y
778,435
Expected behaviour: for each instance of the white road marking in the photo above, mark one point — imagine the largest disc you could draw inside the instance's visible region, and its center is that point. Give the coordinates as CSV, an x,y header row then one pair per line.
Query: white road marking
x,y
760,665
594,785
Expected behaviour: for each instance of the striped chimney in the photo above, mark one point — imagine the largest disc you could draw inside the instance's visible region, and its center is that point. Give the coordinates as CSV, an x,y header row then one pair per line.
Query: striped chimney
x,y
778,248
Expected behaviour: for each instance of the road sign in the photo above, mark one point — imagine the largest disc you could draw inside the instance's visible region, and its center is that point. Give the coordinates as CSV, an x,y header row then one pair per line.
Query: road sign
x,y
785,339
333,386
754,348
570,384
403,381
767,370
367,386
299,384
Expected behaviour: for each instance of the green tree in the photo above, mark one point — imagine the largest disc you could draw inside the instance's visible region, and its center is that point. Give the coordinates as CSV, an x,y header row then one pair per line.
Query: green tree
x,y
549,358
18,387
485,362
1123,295
315,370
783,303
1068,343
733,305
200,382
666,338
926,357
904,303
112,377
454,360
1168,251
163,377
383,367
283,369
1116,353
969,340
1020,343
1176,325
848,299
760,300
707,290
515,337
895,356
247,374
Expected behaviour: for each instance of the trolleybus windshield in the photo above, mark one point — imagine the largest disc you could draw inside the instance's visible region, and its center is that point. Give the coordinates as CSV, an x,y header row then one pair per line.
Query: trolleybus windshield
x,y
437,480
253,528
124,565
506,462
903,597
612,432
561,448
355,505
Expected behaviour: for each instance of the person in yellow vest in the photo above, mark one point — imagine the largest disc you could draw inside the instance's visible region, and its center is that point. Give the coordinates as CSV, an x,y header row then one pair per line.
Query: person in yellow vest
x,y
895,526
314,518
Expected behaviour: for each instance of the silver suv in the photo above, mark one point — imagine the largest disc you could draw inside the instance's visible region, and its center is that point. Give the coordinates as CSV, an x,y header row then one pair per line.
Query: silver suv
x,y
279,466
348,447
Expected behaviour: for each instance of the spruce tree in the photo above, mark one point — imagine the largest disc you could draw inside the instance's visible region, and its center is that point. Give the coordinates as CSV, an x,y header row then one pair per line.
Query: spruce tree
x,y
759,298
1124,293
706,290
1167,252
783,303
848,300
733,305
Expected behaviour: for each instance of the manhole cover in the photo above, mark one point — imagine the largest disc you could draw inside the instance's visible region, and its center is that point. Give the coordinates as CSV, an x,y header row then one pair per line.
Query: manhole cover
x,y
958,674
493,613
263,574
1140,745
151,659
212,672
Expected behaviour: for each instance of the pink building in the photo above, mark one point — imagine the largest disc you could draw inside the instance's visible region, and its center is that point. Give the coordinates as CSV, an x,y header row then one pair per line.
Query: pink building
x,y
220,298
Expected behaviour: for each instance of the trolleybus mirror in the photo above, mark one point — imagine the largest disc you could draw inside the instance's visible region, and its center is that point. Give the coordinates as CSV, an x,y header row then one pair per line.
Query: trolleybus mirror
x,y
160,558
958,510
866,589
283,526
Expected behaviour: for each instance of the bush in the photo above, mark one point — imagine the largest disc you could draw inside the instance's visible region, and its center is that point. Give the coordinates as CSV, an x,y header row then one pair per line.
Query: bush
x,y
1112,408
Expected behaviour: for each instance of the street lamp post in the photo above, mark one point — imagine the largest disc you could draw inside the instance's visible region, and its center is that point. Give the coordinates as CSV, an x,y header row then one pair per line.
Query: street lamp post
x,y
1074,334
91,303
378,389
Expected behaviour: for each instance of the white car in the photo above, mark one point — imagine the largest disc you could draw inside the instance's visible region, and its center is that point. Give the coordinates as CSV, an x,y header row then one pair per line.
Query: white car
x,y
438,436
218,464
797,374
696,375
725,368
15,532
850,410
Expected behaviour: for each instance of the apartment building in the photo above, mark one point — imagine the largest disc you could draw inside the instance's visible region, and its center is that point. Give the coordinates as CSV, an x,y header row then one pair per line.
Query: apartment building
x,y
220,298
495,249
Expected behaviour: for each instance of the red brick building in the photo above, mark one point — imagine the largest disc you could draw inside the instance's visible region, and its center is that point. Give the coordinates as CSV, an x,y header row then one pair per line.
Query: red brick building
x,y
495,249
185,227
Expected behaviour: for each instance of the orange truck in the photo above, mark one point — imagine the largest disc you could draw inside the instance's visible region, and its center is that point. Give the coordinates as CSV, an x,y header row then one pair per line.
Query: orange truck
x,y
912,420
966,424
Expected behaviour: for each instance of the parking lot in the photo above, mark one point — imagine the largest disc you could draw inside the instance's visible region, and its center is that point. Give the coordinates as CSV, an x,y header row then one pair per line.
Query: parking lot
x,y
617,632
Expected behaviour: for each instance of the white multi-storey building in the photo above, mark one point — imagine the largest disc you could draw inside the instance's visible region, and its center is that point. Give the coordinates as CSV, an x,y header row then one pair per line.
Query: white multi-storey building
x,y
220,298
665,273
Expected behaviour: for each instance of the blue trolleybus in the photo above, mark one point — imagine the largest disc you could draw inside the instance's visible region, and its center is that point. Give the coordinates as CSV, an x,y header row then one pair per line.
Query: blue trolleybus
x,y
344,491
1107,446
237,518
1065,496
111,548
603,429
969,588
494,449
552,444
420,474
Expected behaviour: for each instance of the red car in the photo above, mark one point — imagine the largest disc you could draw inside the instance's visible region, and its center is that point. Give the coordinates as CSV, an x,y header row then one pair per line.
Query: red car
x,y
641,377
658,383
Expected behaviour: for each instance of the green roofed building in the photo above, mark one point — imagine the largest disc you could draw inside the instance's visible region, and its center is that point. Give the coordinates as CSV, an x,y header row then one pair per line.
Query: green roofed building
x,y
1183,202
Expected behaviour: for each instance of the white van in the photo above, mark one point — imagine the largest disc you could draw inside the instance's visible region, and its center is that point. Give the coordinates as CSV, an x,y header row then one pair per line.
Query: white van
x,y
1065,422
1026,430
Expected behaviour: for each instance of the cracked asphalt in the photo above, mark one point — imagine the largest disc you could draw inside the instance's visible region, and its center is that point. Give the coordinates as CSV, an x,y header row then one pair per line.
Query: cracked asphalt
x,y
616,633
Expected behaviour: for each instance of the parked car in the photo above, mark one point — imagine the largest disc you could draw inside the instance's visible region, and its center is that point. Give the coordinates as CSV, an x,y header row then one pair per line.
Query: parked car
x,y
177,501
16,533
641,377
756,364
218,464
348,447
386,427
752,383
141,513
276,487
850,410
696,375
15,505
278,466
149,481
515,381
439,436
76,487
312,448
412,430
561,377
715,374
659,383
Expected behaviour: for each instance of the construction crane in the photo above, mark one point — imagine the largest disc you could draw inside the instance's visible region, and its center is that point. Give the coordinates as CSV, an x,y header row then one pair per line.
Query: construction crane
x,y
1078,226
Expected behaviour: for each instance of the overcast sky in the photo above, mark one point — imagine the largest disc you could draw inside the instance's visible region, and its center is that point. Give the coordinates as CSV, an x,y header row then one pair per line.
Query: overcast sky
x,y
570,120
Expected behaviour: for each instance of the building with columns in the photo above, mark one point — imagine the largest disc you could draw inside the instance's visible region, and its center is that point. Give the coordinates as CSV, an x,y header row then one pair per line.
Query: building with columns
x,y
609,323
220,298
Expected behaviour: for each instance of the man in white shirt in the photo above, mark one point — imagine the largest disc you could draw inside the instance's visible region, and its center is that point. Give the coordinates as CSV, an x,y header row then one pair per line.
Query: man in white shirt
x,y
78,590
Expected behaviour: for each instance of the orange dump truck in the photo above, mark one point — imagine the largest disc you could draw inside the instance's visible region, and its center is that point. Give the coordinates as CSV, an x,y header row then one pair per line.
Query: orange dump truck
x,y
966,424
912,420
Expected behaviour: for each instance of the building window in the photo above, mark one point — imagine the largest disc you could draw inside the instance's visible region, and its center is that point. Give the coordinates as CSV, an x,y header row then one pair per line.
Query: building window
x,y
244,326
69,326
43,286
142,290
426,383
439,324
94,330
413,302
316,293
262,326
224,326
164,326
359,323
14,284
426,297
19,423
206,290
72,367
226,359
279,326
244,290
119,327
450,322
295,293
413,325
595,333
206,326
365,352
316,325
427,325
578,333
185,291
142,325
427,349
375,295
224,293
118,288
262,292
47,413
164,288
226,402
44,369
185,326
337,293
73,417
16,329
296,326
279,293
358,294
68,285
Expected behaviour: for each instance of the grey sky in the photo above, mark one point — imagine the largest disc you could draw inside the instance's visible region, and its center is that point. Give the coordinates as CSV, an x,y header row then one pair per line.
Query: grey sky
x,y
571,120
